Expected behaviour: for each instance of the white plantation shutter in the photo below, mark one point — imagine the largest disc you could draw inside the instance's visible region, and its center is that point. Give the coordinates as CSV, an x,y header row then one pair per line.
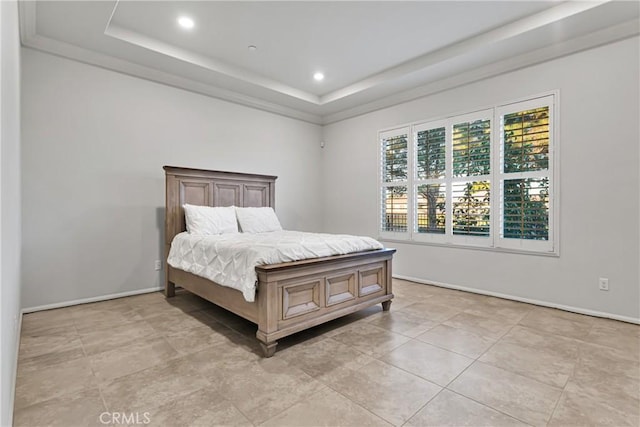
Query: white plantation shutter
x,y
430,182
471,178
431,203
394,181
395,156
526,175
480,179
471,208
431,154
394,209
472,147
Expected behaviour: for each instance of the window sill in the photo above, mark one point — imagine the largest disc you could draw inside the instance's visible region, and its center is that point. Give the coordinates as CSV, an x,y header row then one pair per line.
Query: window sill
x,y
554,254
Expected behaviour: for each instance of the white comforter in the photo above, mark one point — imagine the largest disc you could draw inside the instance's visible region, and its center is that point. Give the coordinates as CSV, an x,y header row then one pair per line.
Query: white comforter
x,y
230,259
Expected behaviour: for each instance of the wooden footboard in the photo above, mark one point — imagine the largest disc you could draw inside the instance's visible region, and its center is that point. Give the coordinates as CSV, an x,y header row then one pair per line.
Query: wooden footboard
x,y
295,296
298,295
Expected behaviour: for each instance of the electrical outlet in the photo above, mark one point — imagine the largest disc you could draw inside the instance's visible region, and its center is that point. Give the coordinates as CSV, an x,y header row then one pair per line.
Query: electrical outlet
x,y
603,283
158,265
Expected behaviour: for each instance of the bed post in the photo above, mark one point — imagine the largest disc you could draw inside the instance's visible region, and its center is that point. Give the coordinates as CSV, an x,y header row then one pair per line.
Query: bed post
x,y
386,306
267,314
169,287
172,198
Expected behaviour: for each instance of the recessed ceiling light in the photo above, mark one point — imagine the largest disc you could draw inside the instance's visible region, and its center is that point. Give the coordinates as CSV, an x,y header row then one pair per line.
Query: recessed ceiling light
x,y
186,22
252,47
318,77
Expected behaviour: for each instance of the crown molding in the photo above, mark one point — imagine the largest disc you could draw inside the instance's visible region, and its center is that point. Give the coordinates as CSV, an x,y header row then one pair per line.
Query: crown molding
x,y
592,40
510,30
207,63
30,38
513,29
27,19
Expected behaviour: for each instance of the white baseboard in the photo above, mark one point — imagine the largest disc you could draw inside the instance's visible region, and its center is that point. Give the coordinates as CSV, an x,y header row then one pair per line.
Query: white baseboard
x,y
88,300
397,276
520,299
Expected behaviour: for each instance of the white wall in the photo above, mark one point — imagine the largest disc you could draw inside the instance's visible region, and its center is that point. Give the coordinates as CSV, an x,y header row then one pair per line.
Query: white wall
x,y
599,140
94,143
9,204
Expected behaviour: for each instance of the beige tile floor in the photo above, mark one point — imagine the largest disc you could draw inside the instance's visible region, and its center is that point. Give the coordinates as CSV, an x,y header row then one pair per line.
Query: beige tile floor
x,y
439,357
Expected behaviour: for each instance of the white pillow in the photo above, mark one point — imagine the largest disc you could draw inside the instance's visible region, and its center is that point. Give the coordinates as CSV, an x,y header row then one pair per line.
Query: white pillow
x,y
205,220
258,220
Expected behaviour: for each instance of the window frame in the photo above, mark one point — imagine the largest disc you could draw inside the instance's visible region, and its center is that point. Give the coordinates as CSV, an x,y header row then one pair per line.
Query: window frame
x,y
426,237
466,240
496,177
524,244
382,184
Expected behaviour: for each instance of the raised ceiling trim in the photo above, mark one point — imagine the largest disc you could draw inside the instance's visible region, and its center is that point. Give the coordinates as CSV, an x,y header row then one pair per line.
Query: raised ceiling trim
x,y
206,62
216,66
79,54
30,38
507,31
27,18
592,40
504,32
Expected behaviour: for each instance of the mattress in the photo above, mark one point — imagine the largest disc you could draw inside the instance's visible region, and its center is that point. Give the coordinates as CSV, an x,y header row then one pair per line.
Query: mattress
x,y
230,259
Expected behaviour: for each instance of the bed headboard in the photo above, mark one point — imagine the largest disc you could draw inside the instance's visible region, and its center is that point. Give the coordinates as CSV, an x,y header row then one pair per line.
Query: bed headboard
x,y
211,188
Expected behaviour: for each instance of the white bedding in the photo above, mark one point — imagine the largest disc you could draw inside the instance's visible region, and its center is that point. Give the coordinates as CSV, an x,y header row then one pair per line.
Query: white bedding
x,y
230,259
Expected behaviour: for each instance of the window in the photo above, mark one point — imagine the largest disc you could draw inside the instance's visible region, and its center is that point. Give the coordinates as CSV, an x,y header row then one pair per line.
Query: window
x,y
395,175
431,180
481,179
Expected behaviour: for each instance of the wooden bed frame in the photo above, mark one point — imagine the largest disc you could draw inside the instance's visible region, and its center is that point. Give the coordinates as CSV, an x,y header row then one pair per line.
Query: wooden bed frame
x,y
290,297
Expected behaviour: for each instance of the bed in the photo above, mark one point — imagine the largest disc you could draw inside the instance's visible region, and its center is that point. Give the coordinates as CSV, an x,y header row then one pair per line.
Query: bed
x,y
291,296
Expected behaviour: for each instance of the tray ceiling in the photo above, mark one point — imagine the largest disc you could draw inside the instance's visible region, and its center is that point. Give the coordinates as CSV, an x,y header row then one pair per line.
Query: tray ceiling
x,y
372,54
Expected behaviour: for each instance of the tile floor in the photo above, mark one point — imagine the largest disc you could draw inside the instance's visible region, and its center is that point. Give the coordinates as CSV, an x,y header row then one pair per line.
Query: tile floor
x,y
439,357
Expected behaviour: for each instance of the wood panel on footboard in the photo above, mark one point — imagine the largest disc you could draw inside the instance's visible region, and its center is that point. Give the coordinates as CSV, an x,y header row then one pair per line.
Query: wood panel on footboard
x,y
299,295
290,297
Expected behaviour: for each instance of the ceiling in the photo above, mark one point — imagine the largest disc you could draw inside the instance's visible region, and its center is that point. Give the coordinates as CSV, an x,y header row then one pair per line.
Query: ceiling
x,y
373,53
